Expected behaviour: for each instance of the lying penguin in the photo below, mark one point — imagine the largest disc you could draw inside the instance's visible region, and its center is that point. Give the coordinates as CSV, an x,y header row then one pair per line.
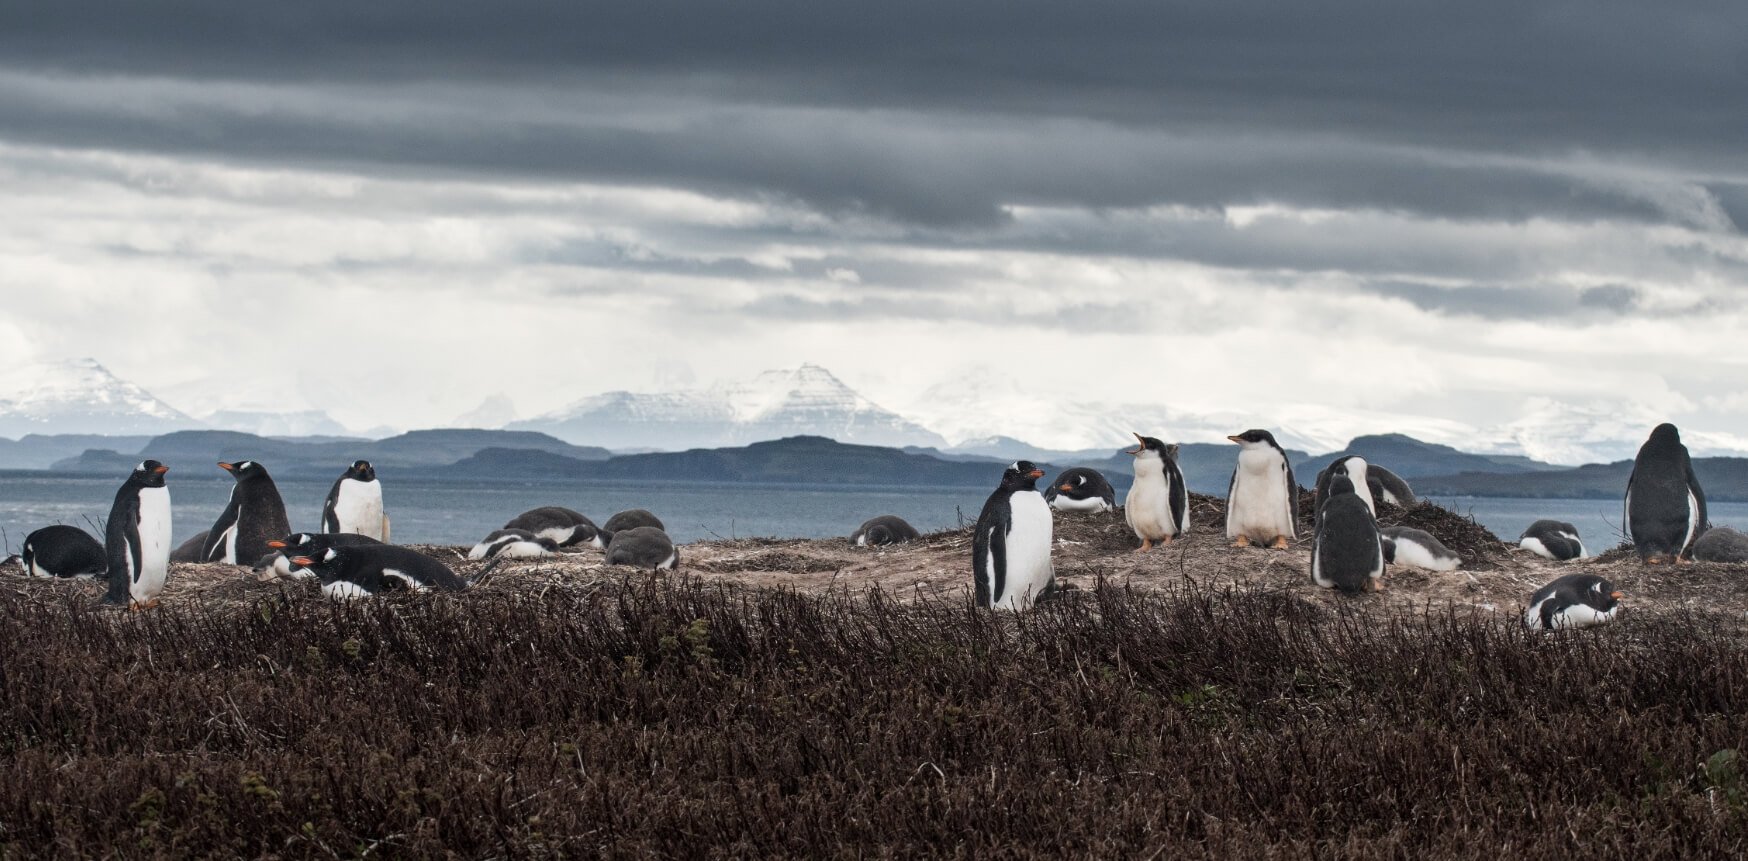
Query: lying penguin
x,y
1081,489
632,519
1417,548
1348,553
61,551
1721,544
883,530
513,544
362,570
1573,601
562,525
1552,539
306,544
643,547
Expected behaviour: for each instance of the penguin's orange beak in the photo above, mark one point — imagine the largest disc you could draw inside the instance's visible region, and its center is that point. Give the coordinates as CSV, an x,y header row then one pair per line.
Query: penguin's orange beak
x,y
276,545
1235,438
1066,488
1617,595
305,561
160,470
1139,445
227,467
1036,473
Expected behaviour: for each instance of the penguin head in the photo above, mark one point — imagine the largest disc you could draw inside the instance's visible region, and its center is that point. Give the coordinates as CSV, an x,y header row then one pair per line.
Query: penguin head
x,y
1340,484
292,541
1352,468
1147,447
1255,438
1022,475
320,560
149,474
1603,595
243,470
361,471
1071,483
1666,435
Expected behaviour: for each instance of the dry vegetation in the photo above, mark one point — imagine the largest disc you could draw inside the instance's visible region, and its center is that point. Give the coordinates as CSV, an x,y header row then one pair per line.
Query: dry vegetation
x,y
1198,700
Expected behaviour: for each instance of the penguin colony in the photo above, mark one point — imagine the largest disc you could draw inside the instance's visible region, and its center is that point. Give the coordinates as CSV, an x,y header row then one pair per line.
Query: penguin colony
x,y
1663,512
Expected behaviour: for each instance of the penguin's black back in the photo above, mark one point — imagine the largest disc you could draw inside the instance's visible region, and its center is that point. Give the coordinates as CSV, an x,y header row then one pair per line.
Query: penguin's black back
x,y
885,529
1348,546
191,550
631,520
642,546
989,547
1571,590
63,551
556,517
121,543
366,564
1658,515
1087,483
1552,534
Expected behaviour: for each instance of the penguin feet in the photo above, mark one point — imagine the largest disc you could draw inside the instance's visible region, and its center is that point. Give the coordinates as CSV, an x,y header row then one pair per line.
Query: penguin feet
x,y
1653,560
1243,541
137,606
1280,543
1145,546
1377,584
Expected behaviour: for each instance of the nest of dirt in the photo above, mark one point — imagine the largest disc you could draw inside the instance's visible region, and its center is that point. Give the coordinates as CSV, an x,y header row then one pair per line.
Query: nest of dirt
x,y
780,561
1476,544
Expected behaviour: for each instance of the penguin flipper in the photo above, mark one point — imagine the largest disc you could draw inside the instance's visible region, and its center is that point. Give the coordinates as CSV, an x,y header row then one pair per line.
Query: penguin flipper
x,y
989,562
1292,495
215,538
1180,500
1699,496
1230,486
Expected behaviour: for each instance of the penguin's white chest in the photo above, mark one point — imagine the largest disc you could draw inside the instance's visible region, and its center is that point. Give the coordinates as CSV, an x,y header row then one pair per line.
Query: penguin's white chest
x,y
358,507
1028,551
154,530
1148,505
1259,507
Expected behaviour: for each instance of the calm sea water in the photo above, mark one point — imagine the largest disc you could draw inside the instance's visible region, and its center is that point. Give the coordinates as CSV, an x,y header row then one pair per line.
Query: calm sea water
x,y
451,512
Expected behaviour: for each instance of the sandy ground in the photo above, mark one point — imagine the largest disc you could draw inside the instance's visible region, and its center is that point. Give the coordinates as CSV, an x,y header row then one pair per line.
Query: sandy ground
x,y
1495,577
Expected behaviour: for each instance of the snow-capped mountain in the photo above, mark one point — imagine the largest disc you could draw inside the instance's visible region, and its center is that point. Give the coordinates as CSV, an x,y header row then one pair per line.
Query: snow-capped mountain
x,y
494,412
80,396
1565,433
775,404
268,423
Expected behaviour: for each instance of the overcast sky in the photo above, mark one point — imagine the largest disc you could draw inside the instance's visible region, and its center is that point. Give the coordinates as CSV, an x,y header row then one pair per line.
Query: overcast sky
x,y
389,210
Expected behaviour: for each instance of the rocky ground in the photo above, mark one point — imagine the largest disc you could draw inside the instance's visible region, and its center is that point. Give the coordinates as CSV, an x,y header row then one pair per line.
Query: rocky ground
x,y
1495,577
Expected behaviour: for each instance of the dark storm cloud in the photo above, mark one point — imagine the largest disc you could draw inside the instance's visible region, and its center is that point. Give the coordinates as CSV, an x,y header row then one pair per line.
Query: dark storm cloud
x,y
929,113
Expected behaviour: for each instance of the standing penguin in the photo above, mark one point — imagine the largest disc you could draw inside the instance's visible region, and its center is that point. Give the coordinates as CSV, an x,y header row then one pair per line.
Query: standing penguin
x,y
1010,553
355,503
1665,507
1262,503
1573,601
255,516
1158,504
1347,553
1081,489
62,551
137,538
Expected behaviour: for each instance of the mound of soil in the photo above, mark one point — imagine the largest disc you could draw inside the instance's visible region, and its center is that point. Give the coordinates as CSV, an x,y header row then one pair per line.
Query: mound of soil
x,y
1476,544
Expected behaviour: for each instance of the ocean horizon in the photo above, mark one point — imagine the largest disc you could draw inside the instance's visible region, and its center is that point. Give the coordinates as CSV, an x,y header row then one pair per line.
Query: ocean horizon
x,y
450,511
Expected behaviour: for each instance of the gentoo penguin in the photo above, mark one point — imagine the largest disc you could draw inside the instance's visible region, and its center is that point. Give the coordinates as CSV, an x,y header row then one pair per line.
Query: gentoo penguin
x,y
1158,504
1262,503
564,526
307,544
1357,470
1665,508
255,516
1573,601
62,551
628,520
191,550
513,544
365,569
137,538
883,530
1348,553
1417,548
1554,539
1010,552
644,547
1081,489
1721,544
355,503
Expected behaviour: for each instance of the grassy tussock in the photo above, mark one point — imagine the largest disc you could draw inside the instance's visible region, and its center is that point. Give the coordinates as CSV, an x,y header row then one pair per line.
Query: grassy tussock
x,y
668,716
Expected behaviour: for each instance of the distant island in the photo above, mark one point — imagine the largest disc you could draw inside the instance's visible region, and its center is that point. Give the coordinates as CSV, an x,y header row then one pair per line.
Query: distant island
x,y
474,455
